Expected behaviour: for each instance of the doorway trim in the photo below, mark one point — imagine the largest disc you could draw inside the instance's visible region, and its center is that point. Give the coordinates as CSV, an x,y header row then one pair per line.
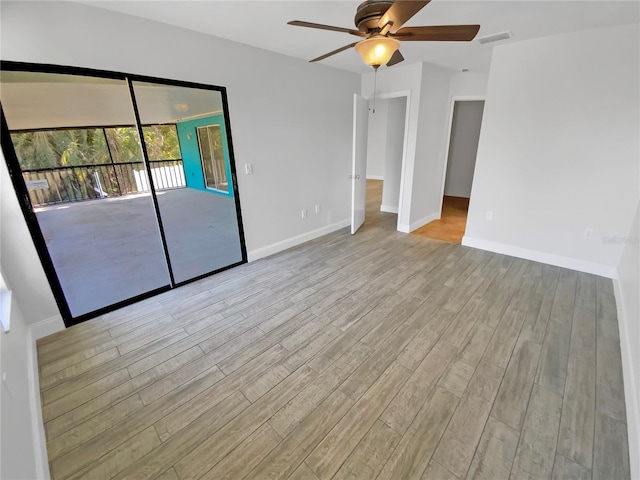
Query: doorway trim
x,y
454,99
405,144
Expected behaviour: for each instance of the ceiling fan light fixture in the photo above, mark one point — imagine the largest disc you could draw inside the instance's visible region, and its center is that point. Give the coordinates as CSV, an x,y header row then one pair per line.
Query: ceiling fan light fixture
x,y
376,51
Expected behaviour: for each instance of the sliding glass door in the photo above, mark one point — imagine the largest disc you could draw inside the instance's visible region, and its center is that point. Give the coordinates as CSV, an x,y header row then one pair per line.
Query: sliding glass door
x,y
200,223
79,155
124,195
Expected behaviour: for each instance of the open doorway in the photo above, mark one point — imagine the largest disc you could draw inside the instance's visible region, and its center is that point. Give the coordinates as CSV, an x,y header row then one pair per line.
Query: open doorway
x,y
385,157
461,160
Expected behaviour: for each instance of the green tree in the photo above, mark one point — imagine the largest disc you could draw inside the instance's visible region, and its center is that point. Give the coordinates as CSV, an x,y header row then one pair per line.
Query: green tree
x,y
60,148
124,144
87,146
162,142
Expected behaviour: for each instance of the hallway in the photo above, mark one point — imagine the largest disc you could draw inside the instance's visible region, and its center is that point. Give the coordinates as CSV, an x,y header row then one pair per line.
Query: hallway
x,y
450,228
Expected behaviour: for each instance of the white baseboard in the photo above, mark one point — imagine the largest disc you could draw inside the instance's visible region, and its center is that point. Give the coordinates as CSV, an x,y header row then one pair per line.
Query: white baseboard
x,y
542,257
259,253
46,327
388,209
403,227
423,221
631,395
407,228
375,177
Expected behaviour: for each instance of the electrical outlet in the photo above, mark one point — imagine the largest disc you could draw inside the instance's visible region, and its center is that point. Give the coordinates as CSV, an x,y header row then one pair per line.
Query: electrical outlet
x,y
248,168
304,213
317,209
489,215
588,233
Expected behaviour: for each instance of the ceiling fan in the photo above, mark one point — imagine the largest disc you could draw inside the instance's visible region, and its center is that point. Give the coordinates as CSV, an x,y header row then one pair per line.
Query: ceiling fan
x,y
379,23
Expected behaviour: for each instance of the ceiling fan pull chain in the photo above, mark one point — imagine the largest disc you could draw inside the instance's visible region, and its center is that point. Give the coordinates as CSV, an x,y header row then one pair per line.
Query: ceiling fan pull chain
x,y
375,80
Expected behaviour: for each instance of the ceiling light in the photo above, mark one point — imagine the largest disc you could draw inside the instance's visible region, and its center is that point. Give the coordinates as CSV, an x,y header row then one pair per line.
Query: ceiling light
x,y
376,51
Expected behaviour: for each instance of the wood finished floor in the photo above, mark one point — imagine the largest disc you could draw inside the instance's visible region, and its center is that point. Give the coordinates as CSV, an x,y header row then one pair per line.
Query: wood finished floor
x,y
451,226
380,355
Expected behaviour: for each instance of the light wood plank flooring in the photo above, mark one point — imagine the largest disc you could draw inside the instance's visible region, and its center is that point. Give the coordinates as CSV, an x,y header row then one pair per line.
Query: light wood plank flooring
x,y
380,355
451,226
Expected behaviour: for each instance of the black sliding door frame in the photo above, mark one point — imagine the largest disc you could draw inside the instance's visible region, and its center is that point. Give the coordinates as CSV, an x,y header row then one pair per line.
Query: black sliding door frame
x,y
152,187
15,173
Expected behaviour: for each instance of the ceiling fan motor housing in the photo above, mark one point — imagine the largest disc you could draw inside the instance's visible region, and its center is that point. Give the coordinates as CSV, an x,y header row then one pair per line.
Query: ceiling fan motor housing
x,y
369,13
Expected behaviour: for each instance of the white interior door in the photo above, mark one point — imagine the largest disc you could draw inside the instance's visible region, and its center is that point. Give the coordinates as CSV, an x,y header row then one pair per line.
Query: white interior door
x,y
359,164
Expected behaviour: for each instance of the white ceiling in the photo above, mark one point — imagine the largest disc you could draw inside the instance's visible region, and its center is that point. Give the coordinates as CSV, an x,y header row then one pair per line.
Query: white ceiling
x,y
262,24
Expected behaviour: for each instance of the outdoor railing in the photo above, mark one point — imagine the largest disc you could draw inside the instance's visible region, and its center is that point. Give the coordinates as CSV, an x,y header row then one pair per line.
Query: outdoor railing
x,y
84,182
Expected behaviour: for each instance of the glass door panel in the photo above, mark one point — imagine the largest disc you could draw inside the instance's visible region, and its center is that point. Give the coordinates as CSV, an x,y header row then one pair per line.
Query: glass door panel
x,y
200,220
80,158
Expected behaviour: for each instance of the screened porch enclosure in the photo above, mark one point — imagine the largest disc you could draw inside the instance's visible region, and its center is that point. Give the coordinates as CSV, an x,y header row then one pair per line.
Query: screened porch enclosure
x,y
117,182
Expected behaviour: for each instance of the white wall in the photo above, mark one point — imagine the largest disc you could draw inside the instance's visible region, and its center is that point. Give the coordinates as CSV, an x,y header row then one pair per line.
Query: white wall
x,y
292,120
20,261
559,149
431,152
377,139
395,130
468,84
21,432
627,286
463,148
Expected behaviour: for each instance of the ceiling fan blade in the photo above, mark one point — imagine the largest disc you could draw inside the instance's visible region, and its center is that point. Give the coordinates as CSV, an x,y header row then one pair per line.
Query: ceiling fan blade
x,y
338,50
395,58
442,33
400,12
319,26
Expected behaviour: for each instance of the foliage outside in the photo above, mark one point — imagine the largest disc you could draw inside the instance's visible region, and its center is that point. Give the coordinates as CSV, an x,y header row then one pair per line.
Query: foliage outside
x,y
66,148
90,162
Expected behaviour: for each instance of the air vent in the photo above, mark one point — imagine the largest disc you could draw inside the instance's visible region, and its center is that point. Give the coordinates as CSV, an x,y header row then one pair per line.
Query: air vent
x,y
494,37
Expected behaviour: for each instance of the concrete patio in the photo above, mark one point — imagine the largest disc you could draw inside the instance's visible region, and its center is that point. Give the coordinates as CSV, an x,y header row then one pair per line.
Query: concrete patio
x,y
109,250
